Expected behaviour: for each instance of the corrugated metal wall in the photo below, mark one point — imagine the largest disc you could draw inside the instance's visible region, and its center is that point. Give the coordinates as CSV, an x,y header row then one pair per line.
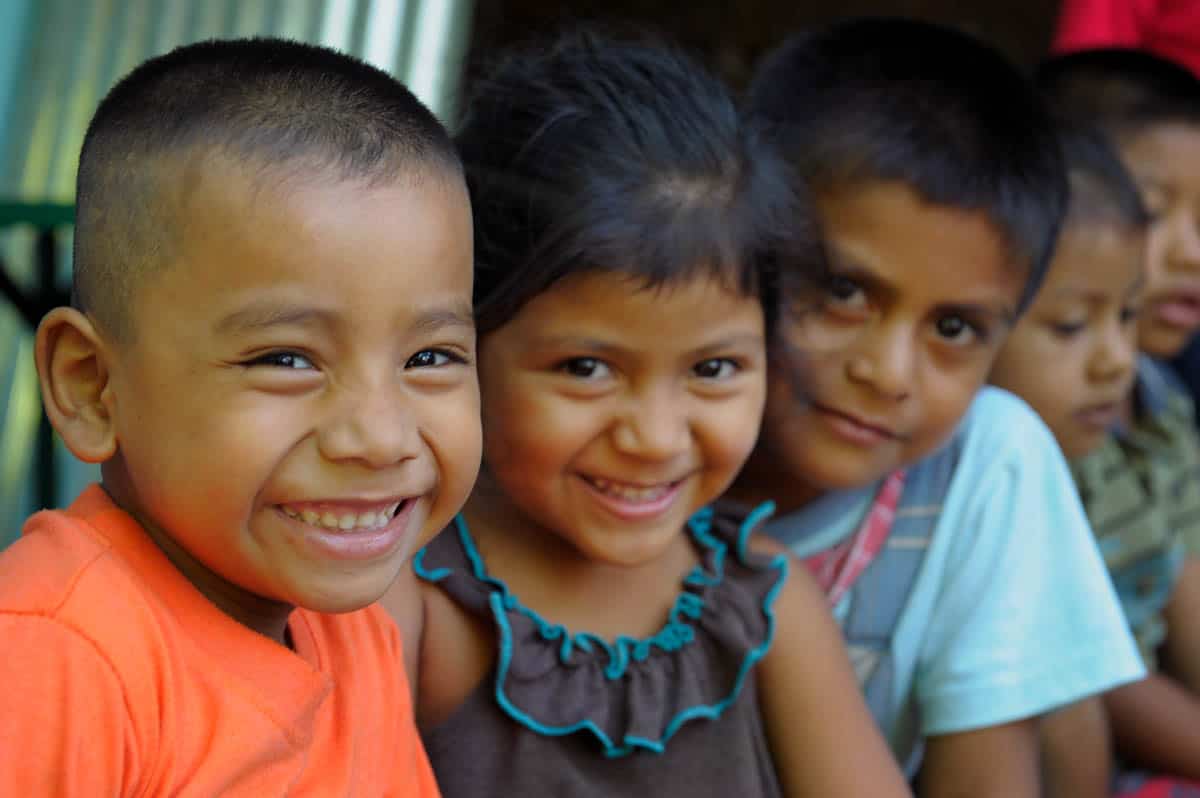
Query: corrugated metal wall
x,y
59,57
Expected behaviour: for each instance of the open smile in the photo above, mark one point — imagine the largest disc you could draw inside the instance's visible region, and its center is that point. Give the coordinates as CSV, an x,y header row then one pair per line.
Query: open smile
x,y
351,530
633,501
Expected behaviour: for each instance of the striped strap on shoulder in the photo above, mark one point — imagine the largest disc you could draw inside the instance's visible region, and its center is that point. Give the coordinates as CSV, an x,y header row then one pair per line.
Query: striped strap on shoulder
x,y
837,569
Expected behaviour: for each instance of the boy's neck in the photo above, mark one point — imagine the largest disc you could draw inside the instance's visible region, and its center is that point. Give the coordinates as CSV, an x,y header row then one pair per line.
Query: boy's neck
x,y
265,616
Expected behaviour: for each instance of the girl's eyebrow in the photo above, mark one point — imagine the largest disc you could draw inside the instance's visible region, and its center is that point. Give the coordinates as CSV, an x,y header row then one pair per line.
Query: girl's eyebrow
x,y
600,346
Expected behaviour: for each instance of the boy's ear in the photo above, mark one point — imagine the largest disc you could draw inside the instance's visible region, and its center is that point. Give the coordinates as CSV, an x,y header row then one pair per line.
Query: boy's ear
x,y
74,374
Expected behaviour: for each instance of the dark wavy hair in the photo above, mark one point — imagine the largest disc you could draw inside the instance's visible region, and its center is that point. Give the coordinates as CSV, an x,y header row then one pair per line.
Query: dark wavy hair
x,y
598,152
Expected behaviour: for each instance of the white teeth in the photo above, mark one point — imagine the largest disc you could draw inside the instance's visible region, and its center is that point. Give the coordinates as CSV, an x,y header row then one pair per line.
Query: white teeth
x,y
328,519
630,493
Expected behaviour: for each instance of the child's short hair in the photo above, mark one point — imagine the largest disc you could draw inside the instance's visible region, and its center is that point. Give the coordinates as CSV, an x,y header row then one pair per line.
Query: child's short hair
x,y
882,99
593,152
1121,90
1103,192
258,102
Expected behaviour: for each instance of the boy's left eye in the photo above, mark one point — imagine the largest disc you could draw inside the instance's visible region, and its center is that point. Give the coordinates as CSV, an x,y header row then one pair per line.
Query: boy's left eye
x,y
715,368
957,330
431,358
282,360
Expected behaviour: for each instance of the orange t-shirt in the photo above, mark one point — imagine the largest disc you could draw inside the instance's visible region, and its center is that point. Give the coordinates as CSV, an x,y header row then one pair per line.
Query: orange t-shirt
x,y
118,678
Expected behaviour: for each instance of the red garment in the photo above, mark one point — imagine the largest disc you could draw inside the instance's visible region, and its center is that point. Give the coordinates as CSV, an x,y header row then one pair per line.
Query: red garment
x,y
1164,788
1167,28
837,569
118,678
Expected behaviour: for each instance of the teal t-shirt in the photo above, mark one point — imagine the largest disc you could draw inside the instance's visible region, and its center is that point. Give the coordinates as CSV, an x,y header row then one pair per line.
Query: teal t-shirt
x,y
1011,613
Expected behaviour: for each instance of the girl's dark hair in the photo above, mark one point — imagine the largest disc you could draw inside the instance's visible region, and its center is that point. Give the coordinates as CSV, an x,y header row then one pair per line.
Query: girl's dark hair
x,y
600,153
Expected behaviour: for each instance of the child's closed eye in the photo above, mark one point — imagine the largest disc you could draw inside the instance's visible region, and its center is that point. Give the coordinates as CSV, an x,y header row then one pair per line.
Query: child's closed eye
x,y
1067,329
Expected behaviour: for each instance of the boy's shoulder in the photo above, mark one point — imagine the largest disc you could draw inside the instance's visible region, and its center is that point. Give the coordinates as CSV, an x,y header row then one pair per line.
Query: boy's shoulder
x,y
60,556
92,571
997,429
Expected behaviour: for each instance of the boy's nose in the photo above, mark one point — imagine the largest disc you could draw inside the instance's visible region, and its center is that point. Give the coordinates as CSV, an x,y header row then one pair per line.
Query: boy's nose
x,y
1183,249
1115,355
884,361
375,427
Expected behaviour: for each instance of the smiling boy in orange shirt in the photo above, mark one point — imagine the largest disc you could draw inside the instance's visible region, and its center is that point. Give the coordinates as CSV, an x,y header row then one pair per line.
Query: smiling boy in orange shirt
x,y
270,355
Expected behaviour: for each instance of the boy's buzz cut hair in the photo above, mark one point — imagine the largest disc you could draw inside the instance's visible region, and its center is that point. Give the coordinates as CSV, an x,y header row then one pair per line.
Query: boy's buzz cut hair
x,y
1119,89
1103,192
889,99
263,103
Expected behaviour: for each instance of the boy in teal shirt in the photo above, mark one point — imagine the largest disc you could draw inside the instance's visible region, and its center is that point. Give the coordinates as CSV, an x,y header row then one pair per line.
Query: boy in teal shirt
x,y
983,603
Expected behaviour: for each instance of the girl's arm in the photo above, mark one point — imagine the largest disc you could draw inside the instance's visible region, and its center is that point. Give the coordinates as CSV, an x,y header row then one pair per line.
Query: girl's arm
x,y
823,739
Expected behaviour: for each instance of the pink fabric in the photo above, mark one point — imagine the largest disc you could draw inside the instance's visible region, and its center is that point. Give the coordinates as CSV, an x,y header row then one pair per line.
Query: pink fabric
x,y
1164,788
1167,28
836,569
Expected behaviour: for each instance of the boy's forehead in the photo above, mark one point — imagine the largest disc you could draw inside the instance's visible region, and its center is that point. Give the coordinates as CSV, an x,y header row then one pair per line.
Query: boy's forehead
x,y
888,229
278,238
1168,148
1097,257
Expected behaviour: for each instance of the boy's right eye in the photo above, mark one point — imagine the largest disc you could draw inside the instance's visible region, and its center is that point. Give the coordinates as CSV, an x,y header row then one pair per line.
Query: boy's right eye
x,y
587,368
845,292
282,360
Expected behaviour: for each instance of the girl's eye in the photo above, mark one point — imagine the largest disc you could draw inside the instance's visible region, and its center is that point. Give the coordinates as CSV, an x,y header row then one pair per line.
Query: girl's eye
x,y
1067,329
586,368
957,330
1129,314
282,360
716,368
431,358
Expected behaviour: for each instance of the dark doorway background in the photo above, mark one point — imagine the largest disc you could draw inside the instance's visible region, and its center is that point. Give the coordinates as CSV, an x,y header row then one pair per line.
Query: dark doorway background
x,y
732,35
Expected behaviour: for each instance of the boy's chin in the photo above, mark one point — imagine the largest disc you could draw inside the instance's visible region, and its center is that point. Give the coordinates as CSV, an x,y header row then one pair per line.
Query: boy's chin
x,y
1163,344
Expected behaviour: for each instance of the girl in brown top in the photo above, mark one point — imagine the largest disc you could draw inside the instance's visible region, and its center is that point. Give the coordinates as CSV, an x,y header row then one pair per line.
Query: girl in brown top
x,y
623,221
